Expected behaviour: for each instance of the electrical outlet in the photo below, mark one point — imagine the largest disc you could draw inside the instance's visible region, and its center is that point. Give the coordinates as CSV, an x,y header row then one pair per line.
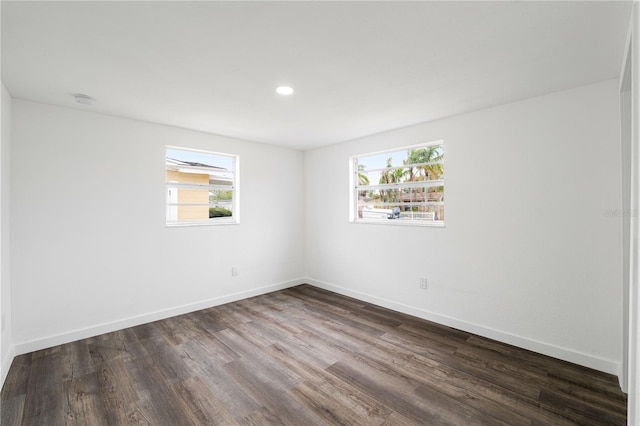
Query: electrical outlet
x,y
423,283
234,271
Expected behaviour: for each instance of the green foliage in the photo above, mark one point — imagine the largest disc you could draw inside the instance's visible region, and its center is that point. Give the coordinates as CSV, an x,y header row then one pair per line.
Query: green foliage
x,y
220,195
363,179
425,155
219,212
420,165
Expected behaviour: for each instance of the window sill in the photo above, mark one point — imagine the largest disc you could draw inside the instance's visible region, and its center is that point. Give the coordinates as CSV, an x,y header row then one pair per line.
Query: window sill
x,y
188,224
396,222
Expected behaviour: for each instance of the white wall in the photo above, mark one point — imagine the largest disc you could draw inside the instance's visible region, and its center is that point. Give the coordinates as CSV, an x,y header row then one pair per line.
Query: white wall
x,y
90,250
630,125
6,349
529,254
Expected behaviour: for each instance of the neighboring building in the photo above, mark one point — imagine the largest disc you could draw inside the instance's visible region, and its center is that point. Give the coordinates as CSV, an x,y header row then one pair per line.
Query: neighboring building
x,y
187,196
186,204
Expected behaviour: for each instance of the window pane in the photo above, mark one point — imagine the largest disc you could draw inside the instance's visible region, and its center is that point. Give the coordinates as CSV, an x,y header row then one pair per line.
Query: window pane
x,y
388,186
220,203
193,196
402,212
221,179
220,196
199,158
193,212
190,177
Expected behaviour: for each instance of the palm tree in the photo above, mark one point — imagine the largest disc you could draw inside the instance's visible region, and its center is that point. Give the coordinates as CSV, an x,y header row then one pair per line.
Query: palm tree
x,y
363,179
430,154
386,176
397,175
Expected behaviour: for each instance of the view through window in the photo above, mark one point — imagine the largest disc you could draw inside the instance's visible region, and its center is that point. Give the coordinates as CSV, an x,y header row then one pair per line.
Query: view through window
x,y
403,186
201,187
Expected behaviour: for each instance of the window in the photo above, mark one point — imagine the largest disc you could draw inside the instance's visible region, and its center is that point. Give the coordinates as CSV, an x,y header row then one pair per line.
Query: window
x,y
403,186
201,187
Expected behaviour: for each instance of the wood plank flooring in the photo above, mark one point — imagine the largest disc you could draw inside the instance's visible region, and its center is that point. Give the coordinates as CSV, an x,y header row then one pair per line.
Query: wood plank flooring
x,y
302,356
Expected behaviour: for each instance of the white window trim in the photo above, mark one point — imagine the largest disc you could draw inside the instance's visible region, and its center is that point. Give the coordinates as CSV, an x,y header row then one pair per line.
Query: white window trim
x,y
353,189
235,189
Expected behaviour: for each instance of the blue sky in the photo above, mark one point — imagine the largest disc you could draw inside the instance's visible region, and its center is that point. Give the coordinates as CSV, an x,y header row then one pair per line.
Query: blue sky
x,y
379,161
201,157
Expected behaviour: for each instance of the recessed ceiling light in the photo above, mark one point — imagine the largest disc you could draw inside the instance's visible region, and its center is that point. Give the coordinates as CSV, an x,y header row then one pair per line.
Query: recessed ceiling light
x,y
285,90
84,99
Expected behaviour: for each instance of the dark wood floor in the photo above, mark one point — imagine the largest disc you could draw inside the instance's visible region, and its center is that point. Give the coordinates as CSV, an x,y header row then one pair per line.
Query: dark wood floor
x,y
302,356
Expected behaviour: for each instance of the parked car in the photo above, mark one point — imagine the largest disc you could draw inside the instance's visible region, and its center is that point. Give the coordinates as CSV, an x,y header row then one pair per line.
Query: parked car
x,y
373,213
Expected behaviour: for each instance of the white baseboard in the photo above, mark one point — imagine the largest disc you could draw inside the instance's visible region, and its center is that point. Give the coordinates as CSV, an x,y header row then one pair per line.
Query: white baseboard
x,y
601,364
72,336
6,365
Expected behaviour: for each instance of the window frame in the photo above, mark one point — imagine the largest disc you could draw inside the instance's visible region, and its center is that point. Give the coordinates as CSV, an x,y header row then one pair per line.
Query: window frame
x,y
355,188
234,219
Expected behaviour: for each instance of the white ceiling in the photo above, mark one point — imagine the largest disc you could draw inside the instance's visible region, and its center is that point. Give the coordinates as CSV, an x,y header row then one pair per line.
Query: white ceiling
x,y
358,68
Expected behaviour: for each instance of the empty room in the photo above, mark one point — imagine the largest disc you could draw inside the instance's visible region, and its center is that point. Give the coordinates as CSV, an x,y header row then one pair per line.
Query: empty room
x,y
317,213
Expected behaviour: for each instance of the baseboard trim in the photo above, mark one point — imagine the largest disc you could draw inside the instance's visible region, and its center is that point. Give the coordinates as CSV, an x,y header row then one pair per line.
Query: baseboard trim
x,y
72,336
586,360
601,364
6,365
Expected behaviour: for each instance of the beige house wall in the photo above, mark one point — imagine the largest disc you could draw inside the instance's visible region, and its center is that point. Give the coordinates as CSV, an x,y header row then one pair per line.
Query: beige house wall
x,y
191,195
